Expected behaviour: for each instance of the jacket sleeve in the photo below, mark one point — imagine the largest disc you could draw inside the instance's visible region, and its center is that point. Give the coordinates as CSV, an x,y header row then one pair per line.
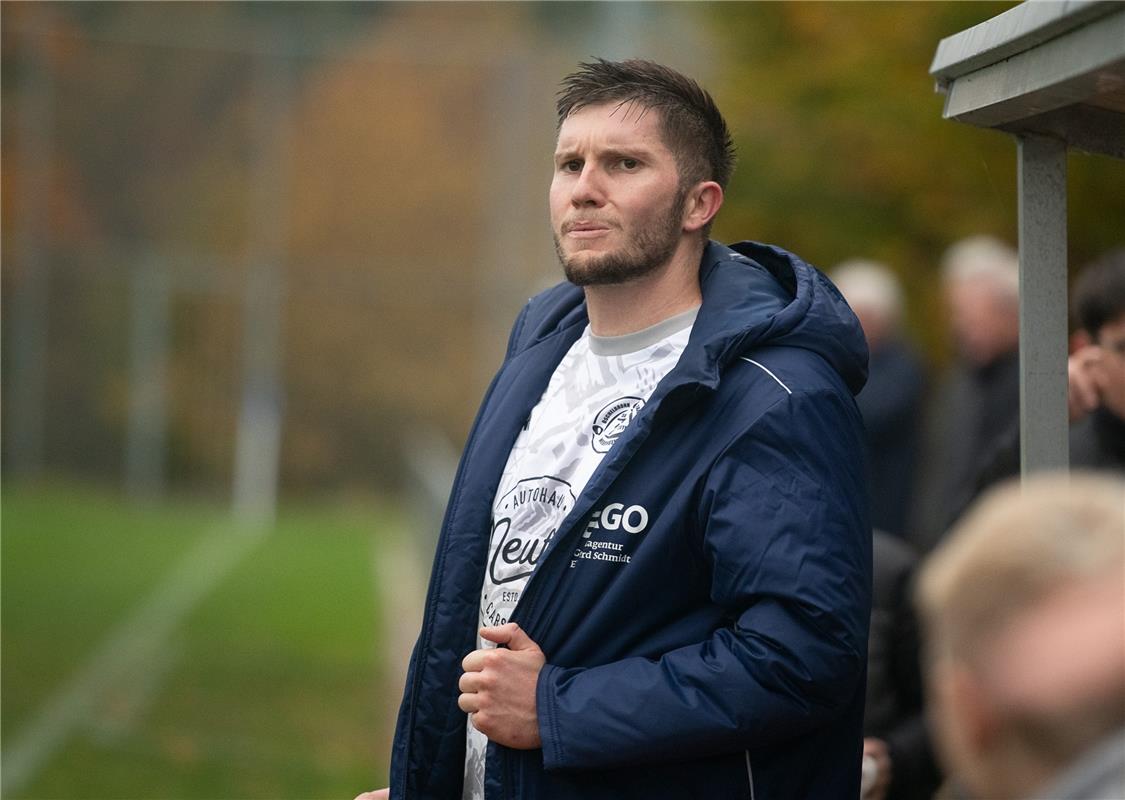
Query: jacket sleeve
x,y
786,538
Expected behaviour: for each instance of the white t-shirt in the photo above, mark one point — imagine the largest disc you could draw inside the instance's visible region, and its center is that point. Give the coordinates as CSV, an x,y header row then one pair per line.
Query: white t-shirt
x,y
594,393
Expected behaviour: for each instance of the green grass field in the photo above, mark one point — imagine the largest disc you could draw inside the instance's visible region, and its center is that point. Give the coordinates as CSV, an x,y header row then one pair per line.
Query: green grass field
x,y
272,685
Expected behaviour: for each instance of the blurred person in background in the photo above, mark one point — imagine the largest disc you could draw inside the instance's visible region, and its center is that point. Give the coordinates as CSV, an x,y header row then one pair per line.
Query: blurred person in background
x,y
891,401
980,400
1096,379
1096,371
1024,624
898,758
653,579
899,762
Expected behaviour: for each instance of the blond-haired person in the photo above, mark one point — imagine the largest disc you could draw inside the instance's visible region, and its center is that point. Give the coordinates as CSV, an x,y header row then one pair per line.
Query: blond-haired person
x,y
1024,612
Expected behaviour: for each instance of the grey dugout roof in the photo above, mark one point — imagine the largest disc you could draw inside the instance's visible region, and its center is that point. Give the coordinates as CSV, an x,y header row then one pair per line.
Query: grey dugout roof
x,y
1052,74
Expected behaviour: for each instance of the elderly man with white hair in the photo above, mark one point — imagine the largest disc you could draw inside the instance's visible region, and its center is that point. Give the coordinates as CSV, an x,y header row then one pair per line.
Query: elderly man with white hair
x,y
980,400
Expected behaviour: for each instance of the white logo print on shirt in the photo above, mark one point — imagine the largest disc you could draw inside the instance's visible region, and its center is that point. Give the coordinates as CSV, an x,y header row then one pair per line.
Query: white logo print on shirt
x,y
525,521
612,420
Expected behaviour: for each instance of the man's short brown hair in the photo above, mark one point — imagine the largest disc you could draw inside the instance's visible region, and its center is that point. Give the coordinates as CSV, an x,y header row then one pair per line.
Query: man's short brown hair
x,y
692,126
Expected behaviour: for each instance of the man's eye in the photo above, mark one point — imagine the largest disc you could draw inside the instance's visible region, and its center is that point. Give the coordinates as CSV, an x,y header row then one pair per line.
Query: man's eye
x,y
630,163
572,166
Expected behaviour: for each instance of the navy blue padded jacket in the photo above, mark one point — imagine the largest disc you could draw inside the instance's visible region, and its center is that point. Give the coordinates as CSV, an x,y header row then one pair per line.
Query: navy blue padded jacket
x,y
725,657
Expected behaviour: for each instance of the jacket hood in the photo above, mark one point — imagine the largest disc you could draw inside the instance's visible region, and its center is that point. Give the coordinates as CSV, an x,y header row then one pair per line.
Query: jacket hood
x,y
757,295
754,295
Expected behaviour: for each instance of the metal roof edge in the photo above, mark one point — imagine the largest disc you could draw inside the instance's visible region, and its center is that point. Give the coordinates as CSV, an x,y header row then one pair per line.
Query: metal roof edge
x,y
1017,29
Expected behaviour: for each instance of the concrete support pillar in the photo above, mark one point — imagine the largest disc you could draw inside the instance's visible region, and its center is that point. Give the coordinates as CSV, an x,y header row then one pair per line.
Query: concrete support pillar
x,y
1044,437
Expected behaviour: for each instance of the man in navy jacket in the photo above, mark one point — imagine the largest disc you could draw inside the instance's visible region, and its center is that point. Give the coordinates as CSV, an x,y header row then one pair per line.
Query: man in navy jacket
x,y
694,624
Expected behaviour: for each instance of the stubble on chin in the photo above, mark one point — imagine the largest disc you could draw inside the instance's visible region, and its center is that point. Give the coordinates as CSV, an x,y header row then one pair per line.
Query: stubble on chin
x,y
585,268
619,266
646,251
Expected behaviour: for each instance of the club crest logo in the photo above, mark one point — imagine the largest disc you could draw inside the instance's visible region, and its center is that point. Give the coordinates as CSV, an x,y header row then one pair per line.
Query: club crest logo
x,y
612,420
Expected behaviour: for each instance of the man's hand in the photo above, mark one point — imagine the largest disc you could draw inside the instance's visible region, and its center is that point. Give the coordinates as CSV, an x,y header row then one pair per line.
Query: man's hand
x,y
381,794
498,687
876,750
1109,375
1082,395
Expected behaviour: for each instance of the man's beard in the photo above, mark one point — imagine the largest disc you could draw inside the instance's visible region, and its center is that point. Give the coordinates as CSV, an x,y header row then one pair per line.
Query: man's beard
x,y
648,249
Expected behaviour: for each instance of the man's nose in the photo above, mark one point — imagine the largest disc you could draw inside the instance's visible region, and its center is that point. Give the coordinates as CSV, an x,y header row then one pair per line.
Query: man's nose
x,y
589,188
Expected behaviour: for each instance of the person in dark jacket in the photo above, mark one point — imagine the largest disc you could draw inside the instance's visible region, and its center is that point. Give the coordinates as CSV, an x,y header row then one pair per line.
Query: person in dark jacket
x,y
896,740
891,402
653,576
1097,371
1095,377
979,400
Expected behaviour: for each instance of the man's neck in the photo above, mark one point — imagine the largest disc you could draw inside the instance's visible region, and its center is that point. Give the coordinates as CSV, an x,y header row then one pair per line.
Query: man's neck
x,y
618,309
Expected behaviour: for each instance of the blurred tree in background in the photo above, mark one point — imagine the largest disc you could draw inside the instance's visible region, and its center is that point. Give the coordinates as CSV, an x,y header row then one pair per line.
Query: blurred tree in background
x,y
390,164
844,153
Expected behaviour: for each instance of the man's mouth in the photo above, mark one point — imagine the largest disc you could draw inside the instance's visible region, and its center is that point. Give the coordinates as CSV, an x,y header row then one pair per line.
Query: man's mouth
x,y
585,229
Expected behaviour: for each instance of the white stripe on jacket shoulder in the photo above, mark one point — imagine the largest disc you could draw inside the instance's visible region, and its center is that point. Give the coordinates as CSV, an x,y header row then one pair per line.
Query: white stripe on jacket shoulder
x,y
766,370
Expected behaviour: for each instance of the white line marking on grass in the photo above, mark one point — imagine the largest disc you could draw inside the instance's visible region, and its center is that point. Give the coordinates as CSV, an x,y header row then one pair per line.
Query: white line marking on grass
x,y
126,647
123,704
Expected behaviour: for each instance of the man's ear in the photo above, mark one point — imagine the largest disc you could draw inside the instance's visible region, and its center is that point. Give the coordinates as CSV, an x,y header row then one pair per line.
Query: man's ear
x,y
965,723
970,708
702,203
